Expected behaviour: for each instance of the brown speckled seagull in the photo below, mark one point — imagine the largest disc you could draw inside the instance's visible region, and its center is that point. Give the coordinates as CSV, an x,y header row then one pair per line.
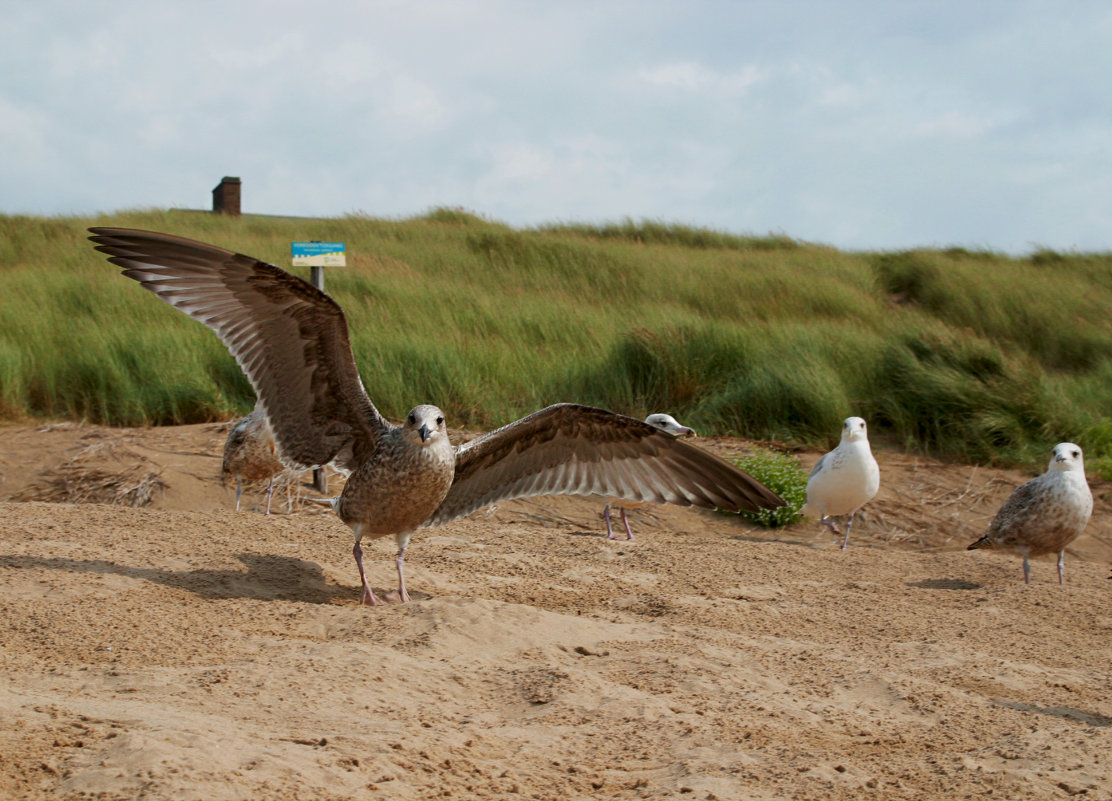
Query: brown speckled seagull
x,y
292,342
1046,514
668,424
251,453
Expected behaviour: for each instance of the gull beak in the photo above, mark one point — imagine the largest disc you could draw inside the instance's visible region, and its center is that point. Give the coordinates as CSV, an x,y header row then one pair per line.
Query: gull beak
x,y
424,432
687,432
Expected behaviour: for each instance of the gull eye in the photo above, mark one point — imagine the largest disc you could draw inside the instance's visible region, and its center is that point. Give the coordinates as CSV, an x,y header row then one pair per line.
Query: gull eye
x,y
440,421
411,420
1076,454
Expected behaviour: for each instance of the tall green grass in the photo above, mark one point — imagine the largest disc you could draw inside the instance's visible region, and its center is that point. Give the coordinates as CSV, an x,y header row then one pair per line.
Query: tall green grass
x,y
973,355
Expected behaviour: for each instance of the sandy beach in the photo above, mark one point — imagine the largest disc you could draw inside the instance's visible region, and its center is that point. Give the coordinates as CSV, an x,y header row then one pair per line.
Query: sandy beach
x,y
182,650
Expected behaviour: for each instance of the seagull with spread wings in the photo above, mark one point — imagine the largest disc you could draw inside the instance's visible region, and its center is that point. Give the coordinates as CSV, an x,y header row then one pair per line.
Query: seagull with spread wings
x,y
292,342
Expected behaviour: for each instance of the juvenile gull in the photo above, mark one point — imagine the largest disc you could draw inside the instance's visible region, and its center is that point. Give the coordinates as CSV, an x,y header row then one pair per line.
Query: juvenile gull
x,y
843,480
1046,514
292,342
668,424
251,453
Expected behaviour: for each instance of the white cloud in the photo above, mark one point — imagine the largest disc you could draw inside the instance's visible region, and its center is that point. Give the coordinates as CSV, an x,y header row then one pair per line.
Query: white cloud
x,y
872,124
954,125
265,55
520,162
23,132
690,76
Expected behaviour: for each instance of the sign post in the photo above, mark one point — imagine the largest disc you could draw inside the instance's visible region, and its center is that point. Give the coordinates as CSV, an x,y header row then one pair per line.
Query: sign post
x,y
317,255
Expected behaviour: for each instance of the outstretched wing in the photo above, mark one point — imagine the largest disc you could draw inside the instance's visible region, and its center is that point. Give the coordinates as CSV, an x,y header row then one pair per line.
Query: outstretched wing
x,y
289,337
569,449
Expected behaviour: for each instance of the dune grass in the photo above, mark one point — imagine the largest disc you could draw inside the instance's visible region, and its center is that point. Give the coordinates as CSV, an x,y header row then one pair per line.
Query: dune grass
x,y
967,354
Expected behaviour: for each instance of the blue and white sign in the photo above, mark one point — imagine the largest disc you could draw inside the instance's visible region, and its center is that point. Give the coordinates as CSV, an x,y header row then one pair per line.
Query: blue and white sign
x,y
318,254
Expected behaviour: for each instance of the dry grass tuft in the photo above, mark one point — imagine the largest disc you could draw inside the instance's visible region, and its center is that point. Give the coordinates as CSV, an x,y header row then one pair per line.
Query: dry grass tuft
x,y
77,481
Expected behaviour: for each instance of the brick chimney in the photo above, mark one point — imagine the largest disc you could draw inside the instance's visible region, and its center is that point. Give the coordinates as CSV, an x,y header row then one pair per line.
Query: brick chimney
x,y
225,197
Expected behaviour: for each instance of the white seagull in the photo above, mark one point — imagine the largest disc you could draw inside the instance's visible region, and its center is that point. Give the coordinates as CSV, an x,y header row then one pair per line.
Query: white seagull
x,y
292,342
666,423
843,480
1046,514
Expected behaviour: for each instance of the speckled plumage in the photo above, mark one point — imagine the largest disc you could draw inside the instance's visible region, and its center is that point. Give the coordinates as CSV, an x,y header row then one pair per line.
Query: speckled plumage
x,y
292,342
843,480
250,453
667,424
1046,514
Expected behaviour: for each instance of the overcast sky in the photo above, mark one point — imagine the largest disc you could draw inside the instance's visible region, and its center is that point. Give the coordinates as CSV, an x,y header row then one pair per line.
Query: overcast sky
x,y
866,125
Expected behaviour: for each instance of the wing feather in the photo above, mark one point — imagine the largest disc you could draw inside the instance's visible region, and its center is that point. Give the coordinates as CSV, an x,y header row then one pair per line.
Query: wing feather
x,y
568,449
288,337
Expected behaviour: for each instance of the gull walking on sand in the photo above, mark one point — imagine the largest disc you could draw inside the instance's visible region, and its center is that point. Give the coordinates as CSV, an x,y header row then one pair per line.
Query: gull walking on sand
x,y
251,453
292,342
668,424
843,480
1046,514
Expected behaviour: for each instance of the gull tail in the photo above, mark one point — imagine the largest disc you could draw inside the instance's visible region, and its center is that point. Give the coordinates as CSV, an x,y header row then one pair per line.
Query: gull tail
x,y
983,542
330,501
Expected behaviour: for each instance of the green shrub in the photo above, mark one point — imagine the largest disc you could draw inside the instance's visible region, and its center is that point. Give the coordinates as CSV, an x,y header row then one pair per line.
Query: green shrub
x,y
781,473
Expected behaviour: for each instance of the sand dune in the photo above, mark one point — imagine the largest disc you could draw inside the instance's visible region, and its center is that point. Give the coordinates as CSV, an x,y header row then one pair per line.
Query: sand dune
x,y
185,651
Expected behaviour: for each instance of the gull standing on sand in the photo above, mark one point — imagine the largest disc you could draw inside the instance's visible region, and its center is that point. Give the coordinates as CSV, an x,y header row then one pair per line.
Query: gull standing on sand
x,y
843,480
1046,514
251,453
668,424
292,342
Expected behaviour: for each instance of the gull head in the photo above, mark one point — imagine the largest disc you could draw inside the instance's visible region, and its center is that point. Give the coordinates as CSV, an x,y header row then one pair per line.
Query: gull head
x,y
665,422
424,425
1067,456
854,430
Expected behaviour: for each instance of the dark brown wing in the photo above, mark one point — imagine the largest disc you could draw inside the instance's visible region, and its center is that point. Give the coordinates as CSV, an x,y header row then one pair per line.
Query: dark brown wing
x,y
289,337
569,449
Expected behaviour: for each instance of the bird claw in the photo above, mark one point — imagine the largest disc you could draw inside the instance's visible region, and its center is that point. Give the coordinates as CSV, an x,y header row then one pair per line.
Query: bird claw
x,y
370,599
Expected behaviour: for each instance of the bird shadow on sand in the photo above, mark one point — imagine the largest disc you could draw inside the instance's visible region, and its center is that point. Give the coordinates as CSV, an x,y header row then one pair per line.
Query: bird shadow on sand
x,y
945,584
1066,712
266,578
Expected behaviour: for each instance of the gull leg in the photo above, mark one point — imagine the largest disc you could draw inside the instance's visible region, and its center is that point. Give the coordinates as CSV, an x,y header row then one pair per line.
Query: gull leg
x,y
629,534
369,598
1026,570
845,542
239,490
269,493
400,562
1062,566
606,517
831,524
